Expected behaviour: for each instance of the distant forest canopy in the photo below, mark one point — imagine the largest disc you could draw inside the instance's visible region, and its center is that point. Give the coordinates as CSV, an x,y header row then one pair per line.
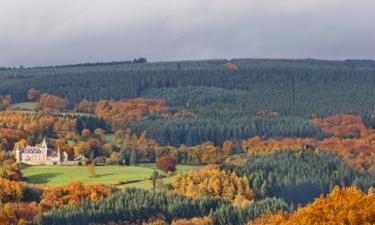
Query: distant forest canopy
x,y
290,87
222,99
136,60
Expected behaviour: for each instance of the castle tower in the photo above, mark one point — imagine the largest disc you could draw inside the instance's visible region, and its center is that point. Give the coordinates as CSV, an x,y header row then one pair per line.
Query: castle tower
x,y
58,153
45,148
44,144
18,154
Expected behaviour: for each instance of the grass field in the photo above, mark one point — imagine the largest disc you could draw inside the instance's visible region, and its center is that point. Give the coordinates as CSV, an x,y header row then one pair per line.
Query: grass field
x,y
30,107
59,175
110,138
27,106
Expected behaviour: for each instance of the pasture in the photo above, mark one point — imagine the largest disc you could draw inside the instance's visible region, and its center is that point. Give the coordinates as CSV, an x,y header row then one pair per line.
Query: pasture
x,y
23,106
111,175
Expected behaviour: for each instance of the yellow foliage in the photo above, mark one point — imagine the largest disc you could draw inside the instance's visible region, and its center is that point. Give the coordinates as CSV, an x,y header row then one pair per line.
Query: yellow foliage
x,y
341,206
194,221
210,181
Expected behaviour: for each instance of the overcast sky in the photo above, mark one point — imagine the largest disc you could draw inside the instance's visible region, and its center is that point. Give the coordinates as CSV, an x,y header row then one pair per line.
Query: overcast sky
x,y
50,32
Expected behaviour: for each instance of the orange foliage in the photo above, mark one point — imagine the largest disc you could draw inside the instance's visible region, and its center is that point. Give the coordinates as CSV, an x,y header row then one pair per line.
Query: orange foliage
x,y
85,106
120,113
5,101
9,169
359,153
18,126
10,191
230,65
51,102
351,139
211,181
341,206
194,221
16,212
33,95
9,136
342,126
72,193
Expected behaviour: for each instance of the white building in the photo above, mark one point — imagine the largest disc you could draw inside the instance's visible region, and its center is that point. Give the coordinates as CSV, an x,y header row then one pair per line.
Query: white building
x,y
32,155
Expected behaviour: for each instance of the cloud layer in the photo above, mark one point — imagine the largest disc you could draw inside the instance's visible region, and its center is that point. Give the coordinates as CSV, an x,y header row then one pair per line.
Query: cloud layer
x,y
42,32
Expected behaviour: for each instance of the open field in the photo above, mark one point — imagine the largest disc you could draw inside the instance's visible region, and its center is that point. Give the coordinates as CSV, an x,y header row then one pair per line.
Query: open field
x,y
30,107
146,184
110,138
59,175
26,106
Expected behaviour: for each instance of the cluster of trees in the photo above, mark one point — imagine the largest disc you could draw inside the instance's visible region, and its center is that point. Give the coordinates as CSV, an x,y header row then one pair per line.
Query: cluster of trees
x,y
166,164
33,95
138,206
50,102
85,106
20,202
211,92
177,131
341,206
119,114
148,150
17,126
299,176
10,191
9,169
343,125
211,181
286,86
5,101
350,138
358,153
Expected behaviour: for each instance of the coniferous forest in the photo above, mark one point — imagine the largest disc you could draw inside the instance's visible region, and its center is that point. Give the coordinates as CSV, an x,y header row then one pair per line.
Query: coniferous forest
x,y
241,141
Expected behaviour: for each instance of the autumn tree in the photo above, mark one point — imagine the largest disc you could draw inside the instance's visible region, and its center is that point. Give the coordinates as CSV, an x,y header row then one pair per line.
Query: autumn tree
x,y
166,164
85,106
211,181
5,101
51,102
33,95
341,206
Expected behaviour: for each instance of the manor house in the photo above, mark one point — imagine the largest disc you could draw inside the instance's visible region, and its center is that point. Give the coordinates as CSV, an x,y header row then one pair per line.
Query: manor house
x,y
44,155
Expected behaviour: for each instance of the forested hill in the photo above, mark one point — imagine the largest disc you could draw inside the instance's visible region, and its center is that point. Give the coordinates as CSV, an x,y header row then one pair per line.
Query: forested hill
x,y
320,87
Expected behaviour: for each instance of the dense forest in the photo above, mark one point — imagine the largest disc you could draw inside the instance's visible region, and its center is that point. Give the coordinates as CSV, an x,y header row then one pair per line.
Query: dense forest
x,y
271,142
290,87
300,177
211,92
134,205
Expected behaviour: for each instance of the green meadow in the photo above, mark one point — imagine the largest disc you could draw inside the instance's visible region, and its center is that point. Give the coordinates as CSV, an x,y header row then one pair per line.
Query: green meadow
x,y
60,175
26,106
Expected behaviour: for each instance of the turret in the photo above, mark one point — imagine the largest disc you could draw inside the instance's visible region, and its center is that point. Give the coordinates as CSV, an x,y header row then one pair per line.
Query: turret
x,y
44,144
18,154
58,153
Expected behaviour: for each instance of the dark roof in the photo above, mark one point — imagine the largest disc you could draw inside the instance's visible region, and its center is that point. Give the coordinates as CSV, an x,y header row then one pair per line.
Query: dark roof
x,y
30,149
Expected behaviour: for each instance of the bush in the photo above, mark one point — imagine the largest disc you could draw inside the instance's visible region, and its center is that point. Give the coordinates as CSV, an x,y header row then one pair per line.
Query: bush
x,y
166,164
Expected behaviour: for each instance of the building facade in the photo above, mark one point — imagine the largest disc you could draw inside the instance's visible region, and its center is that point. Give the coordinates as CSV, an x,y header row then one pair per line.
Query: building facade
x,y
44,155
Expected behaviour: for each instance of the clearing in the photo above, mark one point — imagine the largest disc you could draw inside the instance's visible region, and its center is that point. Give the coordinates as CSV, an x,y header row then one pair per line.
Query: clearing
x,y
60,175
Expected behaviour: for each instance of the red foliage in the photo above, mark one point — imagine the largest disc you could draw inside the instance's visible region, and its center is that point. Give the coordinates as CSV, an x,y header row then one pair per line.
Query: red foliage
x,y
166,164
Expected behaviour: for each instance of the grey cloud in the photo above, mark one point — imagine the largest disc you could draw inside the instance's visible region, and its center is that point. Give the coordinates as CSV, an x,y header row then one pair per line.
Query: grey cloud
x,y
45,32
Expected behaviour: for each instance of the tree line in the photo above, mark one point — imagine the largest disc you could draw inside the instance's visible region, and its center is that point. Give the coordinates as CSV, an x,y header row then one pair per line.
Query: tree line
x,y
299,177
135,205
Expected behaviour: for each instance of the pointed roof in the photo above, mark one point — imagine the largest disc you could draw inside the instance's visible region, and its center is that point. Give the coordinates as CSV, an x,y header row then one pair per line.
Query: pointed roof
x,y
44,144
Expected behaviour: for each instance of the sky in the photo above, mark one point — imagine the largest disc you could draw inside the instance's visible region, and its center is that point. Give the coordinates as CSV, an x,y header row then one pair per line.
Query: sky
x,y
55,32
